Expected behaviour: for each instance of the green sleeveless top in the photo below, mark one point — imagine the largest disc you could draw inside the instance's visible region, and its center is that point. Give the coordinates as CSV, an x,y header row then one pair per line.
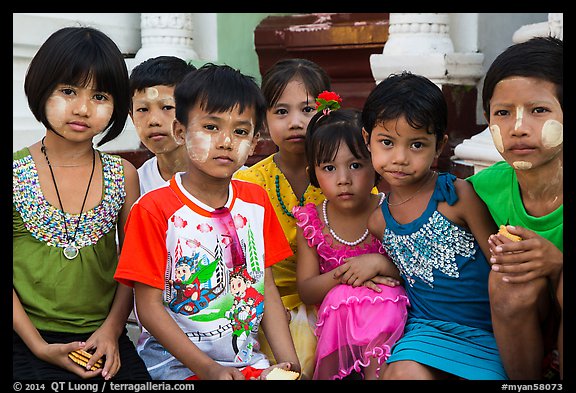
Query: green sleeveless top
x,y
498,187
58,294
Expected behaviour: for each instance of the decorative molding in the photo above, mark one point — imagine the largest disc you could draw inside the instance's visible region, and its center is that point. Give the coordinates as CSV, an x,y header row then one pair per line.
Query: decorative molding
x,y
167,34
421,43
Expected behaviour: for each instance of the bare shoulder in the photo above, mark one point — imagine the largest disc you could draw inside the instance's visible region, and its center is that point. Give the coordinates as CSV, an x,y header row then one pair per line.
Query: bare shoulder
x,y
465,191
129,168
132,181
376,223
466,206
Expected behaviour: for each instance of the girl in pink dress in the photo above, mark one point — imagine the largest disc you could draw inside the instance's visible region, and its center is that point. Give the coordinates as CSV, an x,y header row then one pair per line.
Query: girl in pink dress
x,y
362,306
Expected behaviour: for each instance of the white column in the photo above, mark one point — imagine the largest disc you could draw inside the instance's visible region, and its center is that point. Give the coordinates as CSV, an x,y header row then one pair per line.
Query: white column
x,y
166,34
421,43
554,27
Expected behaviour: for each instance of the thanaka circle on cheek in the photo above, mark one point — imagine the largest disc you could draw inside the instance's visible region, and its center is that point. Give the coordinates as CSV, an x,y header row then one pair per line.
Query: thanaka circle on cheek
x,y
244,150
104,111
151,93
198,146
497,137
56,110
522,165
552,133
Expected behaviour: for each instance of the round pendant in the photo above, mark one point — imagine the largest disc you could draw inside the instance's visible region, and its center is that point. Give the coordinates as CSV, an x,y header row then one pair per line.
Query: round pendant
x,y
71,252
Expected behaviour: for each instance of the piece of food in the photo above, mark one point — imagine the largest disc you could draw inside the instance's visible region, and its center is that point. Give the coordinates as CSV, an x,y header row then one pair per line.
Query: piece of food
x,y
81,357
504,231
281,374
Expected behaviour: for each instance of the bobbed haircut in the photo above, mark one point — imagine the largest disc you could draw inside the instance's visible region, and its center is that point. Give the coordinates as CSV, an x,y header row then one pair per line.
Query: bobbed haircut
x,y
77,56
161,70
324,135
275,79
539,57
415,97
219,88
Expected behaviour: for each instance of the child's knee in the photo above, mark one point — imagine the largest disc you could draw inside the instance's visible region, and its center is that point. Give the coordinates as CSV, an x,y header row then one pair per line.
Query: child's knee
x,y
514,300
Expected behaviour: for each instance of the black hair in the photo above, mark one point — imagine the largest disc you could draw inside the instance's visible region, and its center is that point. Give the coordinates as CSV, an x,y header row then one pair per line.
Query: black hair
x,y
324,135
275,79
219,88
161,70
413,96
539,57
76,56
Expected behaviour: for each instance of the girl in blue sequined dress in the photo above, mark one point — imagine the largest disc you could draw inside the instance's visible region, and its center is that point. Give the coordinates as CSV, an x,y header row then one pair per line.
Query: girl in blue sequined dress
x,y
435,229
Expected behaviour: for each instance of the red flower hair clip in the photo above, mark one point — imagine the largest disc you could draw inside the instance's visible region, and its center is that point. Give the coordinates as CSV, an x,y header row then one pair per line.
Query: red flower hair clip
x,y
328,101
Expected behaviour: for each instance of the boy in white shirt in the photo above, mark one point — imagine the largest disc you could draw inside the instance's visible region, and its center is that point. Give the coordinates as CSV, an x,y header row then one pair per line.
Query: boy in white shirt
x,y
152,111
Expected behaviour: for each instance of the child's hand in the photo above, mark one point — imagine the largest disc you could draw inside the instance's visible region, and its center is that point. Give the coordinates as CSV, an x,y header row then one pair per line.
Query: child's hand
x,y
57,354
105,344
525,260
384,280
222,373
283,365
357,270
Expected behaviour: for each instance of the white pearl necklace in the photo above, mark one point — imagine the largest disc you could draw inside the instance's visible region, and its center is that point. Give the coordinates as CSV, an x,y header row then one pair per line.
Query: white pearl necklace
x,y
338,238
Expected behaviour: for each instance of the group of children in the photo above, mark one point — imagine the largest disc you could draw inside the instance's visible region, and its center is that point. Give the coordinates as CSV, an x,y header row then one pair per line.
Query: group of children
x,y
414,284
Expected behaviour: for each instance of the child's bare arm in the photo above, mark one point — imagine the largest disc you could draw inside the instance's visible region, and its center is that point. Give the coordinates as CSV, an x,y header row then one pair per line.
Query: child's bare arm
x,y
56,354
312,285
474,214
156,320
132,188
105,338
275,324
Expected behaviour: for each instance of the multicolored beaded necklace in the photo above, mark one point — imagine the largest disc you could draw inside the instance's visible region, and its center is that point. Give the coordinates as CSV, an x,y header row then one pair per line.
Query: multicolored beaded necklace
x,y
71,249
282,205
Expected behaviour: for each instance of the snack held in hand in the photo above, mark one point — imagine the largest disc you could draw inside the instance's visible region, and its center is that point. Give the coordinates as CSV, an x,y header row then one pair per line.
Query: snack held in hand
x,y
281,374
504,231
81,358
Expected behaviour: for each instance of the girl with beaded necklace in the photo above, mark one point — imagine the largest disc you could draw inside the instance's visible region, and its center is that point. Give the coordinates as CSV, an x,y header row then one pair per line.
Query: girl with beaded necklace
x,y
362,304
435,228
289,87
69,202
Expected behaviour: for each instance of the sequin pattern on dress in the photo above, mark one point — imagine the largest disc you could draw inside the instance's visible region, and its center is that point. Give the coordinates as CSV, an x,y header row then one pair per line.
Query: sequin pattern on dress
x,y
44,221
434,246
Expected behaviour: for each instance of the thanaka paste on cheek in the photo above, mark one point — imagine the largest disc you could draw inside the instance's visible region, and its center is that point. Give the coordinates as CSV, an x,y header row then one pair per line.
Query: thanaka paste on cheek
x,y
104,111
56,110
497,138
198,146
552,133
244,150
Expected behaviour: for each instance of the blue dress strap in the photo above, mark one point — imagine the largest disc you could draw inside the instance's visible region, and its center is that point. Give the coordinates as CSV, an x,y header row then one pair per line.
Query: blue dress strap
x,y
445,189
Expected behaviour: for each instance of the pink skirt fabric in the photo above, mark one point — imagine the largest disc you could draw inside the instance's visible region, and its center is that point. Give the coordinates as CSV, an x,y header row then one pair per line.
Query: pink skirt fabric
x,y
356,324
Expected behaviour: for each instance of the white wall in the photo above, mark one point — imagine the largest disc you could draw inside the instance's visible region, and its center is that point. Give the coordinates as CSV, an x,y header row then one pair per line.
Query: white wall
x,y
30,30
488,33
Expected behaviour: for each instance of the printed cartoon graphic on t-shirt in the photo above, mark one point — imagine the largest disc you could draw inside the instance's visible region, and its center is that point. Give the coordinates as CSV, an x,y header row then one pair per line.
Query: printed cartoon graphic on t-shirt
x,y
192,285
221,290
248,303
